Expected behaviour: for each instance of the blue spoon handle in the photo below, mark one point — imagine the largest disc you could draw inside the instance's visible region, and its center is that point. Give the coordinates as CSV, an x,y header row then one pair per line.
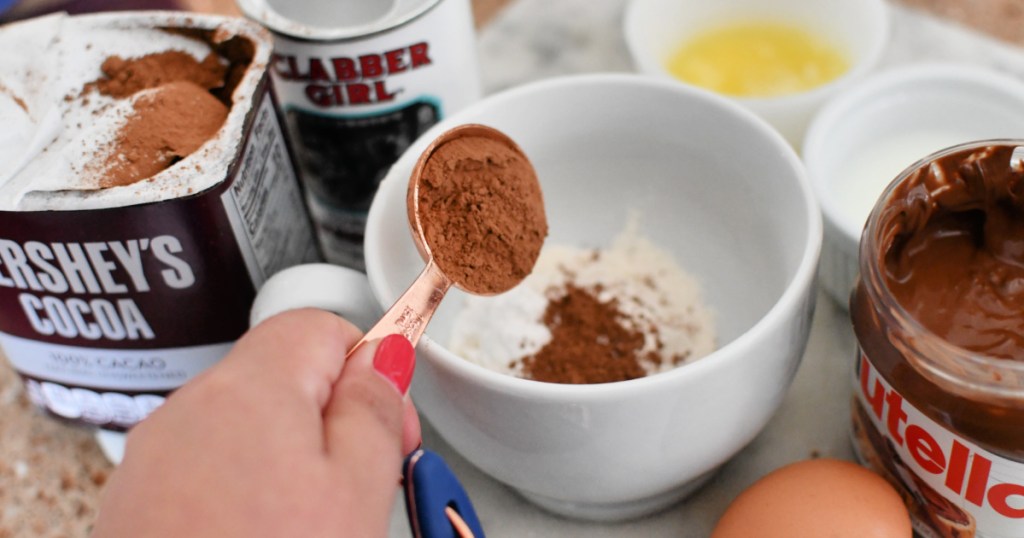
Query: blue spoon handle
x,y
431,492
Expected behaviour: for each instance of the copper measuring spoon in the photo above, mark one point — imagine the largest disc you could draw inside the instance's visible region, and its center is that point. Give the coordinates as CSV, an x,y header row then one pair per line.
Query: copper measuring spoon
x,y
411,313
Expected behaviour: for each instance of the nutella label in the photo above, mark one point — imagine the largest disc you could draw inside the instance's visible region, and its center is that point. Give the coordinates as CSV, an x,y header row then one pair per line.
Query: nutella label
x,y
105,311
353,106
952,487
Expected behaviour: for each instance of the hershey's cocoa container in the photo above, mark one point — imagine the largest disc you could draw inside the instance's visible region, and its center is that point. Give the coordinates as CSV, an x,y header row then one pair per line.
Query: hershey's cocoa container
x,y
358,82
114,292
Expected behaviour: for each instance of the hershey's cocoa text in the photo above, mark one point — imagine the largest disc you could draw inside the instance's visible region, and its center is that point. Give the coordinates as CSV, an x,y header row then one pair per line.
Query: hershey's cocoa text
x,y
84,290
345,81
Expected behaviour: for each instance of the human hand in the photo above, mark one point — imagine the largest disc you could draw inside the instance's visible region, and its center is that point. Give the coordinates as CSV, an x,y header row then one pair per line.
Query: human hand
x,y
283,437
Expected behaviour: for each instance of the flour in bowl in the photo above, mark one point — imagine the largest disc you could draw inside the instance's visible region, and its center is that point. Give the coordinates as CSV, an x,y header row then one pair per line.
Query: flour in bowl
x,y
590,316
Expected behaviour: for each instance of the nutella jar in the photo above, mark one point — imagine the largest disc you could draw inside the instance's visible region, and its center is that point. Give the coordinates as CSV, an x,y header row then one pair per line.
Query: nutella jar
x,y
938,312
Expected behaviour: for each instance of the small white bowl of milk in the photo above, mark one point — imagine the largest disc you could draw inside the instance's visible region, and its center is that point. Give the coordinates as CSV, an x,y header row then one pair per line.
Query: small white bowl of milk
x,y
864,137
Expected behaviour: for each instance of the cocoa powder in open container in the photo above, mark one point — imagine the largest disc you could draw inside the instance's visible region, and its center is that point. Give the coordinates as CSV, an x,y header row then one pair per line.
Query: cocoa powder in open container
x,y
591,315
179,103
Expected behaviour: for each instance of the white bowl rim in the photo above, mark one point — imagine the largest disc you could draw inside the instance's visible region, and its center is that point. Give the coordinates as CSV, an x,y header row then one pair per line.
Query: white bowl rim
x,y
925,77
866,63
801,281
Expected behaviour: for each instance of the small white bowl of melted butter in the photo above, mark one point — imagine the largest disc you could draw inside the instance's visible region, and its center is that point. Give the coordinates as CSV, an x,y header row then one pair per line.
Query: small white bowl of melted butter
x,y
779,58
864,137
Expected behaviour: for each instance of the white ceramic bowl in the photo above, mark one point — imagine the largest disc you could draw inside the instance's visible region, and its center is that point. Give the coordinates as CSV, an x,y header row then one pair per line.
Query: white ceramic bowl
x,y
866,136
655,29
718,188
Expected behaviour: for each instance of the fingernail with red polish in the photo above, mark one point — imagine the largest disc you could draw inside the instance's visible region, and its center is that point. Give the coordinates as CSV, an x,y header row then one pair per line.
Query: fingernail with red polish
x,y
395,360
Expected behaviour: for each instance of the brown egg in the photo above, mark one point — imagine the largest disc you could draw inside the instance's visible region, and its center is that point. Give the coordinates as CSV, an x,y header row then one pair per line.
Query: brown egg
x,y
816,499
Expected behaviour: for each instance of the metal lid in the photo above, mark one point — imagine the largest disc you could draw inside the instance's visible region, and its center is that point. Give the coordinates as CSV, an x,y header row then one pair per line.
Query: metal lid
x,y
314,20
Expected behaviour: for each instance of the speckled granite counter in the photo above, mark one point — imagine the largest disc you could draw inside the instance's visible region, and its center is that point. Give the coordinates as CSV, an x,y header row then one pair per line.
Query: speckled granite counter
x,y
51,475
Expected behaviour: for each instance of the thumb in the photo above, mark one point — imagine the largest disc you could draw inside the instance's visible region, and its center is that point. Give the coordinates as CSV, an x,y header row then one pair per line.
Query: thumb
x,y
363,422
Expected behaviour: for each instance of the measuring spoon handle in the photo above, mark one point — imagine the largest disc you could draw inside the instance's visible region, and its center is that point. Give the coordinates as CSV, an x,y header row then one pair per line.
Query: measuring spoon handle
x,y
412,311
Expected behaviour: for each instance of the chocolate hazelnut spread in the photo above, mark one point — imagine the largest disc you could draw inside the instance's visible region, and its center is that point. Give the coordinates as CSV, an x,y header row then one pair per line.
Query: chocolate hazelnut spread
x,y
939,317
954,253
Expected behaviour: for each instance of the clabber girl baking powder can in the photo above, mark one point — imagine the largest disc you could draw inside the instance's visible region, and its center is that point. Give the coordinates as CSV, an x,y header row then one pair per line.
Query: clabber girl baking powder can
x,y
357,82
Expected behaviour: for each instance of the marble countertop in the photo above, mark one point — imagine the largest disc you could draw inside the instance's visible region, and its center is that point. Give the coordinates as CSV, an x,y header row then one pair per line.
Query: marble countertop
x,y
51,475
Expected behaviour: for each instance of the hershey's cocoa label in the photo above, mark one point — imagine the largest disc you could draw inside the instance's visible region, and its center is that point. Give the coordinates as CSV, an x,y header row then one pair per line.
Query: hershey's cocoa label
x,y
352,107
952,487
120,276
105,311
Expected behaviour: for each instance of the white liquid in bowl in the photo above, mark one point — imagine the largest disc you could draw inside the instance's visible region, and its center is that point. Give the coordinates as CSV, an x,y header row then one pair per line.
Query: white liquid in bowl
x,y
861,181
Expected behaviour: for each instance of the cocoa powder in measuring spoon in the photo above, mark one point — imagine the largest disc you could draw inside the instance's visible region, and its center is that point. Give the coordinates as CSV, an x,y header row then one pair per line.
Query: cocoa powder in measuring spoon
x,y
477,216
481,212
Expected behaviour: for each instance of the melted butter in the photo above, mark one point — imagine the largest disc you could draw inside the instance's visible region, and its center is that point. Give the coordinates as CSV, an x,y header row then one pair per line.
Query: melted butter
x,y
757,59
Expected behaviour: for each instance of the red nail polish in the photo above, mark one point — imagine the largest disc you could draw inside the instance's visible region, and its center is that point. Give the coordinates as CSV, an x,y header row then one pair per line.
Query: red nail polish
x,y
395,360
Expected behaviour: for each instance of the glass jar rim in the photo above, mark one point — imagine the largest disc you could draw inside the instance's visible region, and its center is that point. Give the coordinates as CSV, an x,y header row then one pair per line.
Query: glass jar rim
x,y
1005,377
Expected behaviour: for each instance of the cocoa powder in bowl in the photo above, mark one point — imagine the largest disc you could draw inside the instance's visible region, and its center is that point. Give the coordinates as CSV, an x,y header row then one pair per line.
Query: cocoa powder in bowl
x,y
477,205
589,343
